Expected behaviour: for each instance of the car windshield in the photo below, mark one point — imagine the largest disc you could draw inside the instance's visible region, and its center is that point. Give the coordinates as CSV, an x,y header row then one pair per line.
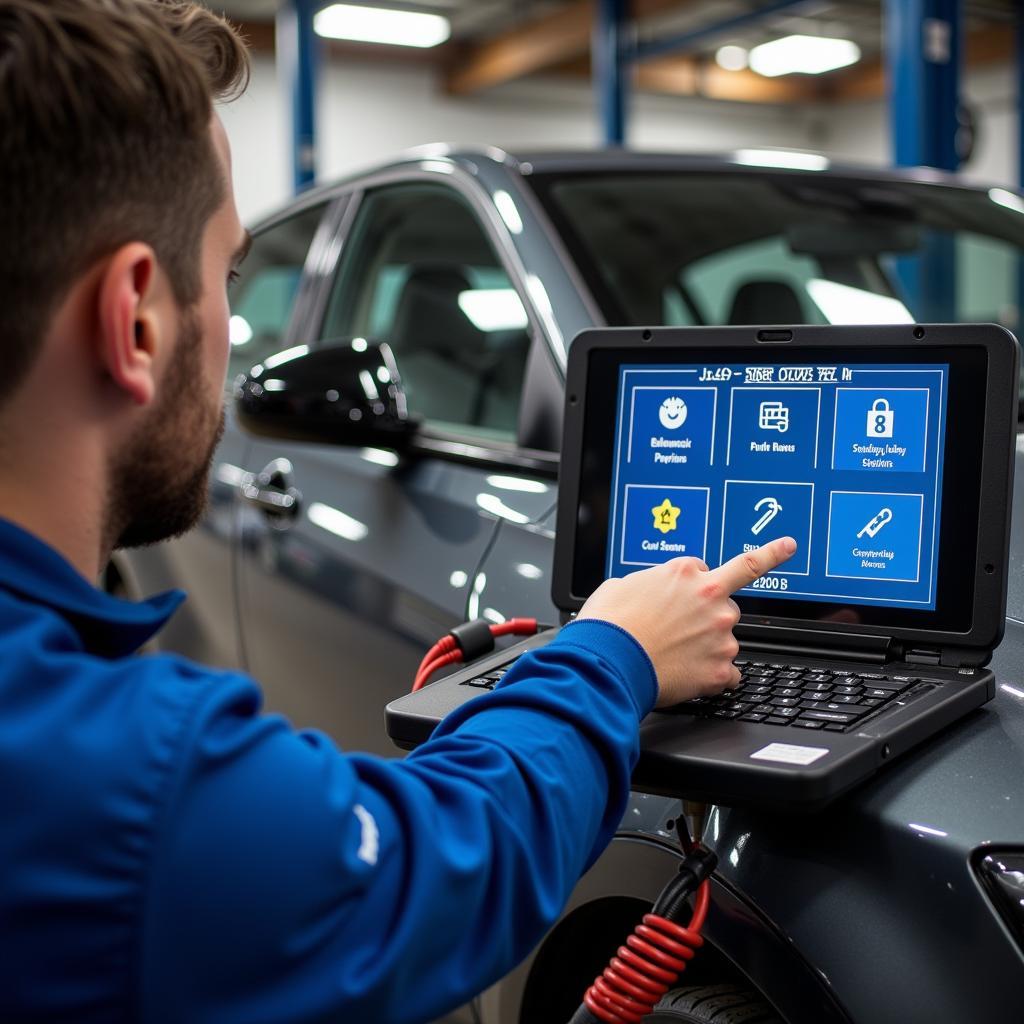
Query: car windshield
x,y
683,248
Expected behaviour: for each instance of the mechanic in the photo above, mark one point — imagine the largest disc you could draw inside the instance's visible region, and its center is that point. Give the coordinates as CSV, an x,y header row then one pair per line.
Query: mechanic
x,y
167,853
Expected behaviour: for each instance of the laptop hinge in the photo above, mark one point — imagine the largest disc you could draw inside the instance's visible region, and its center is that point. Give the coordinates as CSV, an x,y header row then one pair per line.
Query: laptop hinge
x,y
921,656
815,643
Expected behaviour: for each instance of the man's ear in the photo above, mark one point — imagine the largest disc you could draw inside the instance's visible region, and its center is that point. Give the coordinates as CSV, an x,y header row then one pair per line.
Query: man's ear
x,y
132,323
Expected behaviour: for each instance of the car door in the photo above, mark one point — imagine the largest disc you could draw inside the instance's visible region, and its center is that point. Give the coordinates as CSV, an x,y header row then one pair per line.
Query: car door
x,y
341,598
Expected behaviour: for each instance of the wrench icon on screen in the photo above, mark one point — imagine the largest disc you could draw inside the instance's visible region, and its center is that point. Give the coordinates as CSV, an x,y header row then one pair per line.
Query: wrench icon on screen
x,y
774,508
875,523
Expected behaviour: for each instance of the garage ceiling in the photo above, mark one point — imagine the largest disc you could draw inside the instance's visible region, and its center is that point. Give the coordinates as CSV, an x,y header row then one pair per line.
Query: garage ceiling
x,y
495,41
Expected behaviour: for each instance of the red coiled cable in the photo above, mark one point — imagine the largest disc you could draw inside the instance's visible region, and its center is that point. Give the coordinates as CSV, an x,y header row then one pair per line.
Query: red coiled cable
x,y
647,966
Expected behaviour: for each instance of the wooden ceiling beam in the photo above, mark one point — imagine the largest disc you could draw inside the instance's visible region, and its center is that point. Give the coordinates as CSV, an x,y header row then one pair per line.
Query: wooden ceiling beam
x,y
540,45
689,76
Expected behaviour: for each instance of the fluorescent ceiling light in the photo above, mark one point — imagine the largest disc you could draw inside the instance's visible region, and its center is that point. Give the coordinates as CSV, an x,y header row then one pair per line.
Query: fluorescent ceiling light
x,y
494,309
732,58
842,304
1010,200
380,25
781,158
805,55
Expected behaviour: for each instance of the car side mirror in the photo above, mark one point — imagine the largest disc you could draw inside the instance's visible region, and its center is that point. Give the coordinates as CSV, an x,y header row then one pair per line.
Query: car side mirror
x,y
346,393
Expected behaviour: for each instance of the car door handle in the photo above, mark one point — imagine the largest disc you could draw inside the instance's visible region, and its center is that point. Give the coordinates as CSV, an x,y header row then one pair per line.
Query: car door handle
x,y
271,491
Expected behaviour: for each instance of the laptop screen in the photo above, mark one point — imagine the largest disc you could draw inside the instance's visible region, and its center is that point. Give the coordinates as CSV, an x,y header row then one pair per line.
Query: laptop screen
x,y
869,454
716,458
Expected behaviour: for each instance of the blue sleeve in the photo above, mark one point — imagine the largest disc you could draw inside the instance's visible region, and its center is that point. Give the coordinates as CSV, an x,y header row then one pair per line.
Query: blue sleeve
x,y
293,882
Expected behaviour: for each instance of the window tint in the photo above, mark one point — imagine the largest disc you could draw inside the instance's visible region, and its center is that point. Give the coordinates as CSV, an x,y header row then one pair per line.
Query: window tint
x,y
419,273
264,295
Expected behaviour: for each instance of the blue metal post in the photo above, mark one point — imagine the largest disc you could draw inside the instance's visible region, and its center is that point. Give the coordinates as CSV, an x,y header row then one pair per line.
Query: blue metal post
x,y
923,58
609,68
298,57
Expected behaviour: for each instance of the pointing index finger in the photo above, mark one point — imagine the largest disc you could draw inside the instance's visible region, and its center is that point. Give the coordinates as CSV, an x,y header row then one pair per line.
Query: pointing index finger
x,y
742,570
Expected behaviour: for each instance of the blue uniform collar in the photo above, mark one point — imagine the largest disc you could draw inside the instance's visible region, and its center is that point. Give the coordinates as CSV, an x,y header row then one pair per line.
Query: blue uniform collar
x,y
107,625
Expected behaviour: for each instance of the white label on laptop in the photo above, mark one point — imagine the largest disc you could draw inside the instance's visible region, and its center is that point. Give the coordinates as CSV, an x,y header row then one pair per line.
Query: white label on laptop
x,y
789,753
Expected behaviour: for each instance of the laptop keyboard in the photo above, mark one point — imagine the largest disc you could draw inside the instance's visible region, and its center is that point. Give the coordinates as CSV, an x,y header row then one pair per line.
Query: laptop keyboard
x,y
800,697
785,695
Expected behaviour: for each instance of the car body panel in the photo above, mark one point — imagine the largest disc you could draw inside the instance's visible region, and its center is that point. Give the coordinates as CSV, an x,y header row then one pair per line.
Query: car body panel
x,y
374,568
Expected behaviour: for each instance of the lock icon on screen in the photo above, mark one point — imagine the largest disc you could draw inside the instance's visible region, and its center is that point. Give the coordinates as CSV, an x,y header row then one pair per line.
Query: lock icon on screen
x,y
880,419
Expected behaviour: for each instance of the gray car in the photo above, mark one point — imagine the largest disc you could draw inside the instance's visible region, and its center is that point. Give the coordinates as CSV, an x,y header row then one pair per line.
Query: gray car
x,y
327,570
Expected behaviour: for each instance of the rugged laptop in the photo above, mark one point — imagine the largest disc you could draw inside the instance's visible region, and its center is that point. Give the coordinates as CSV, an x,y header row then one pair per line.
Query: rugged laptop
x,y
887,452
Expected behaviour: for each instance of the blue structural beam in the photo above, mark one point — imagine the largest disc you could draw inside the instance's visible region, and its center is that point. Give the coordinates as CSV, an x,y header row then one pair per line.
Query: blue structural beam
x,y
298,57
609,68
923,59
672,44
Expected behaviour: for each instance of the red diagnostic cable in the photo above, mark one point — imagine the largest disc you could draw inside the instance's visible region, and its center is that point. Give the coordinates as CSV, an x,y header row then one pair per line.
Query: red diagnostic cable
x,y
647,966
469,641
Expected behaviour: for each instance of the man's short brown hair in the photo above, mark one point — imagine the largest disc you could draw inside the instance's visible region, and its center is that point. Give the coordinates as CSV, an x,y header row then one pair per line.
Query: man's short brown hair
x,y
105,108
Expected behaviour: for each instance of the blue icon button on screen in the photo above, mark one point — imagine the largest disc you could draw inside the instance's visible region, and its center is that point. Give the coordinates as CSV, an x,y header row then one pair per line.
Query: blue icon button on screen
x,y
875,536
773,429
660,523
757,512
672,426
881,429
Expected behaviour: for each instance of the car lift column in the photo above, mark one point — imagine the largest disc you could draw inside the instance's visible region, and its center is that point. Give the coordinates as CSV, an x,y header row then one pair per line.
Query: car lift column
x,y
609,68
923,58
298,59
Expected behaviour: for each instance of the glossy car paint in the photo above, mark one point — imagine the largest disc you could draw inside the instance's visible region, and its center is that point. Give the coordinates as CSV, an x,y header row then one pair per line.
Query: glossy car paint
x,y
869,911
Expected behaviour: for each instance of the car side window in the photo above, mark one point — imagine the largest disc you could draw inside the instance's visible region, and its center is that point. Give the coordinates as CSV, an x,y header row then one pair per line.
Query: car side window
x,y
420,273
263,297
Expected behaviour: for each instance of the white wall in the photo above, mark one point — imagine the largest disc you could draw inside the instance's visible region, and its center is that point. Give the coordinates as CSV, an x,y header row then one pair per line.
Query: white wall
x,y
369,112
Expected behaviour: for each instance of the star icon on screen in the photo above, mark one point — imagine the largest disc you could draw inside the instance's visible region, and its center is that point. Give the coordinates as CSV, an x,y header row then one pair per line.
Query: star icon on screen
x,y
665,516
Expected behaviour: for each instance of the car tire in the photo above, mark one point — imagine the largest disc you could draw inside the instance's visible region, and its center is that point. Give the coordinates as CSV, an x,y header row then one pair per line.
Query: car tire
x,y
713,1004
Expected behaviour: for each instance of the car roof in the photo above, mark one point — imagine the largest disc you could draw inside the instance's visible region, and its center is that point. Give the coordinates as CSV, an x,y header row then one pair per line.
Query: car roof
x,y
758,161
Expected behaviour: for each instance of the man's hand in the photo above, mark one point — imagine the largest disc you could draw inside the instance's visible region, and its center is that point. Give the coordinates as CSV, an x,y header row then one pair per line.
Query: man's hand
x,y
682,615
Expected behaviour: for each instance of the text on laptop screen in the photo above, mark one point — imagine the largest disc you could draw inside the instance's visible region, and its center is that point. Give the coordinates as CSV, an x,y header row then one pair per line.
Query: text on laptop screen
x,y
719,458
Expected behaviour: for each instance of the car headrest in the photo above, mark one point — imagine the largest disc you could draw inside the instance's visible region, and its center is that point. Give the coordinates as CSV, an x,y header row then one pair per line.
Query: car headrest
x,y
766,302
428,316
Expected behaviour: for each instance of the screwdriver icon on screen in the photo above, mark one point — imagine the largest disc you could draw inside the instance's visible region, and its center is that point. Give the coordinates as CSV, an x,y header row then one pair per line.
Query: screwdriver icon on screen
x,y
876,523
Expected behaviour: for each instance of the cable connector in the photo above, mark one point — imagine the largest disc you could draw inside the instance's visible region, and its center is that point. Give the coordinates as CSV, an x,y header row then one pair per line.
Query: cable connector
x,y
697,866
467,642
474,638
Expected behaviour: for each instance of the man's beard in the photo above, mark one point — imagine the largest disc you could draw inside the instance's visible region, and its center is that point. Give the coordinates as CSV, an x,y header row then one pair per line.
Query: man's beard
x,y
159,479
